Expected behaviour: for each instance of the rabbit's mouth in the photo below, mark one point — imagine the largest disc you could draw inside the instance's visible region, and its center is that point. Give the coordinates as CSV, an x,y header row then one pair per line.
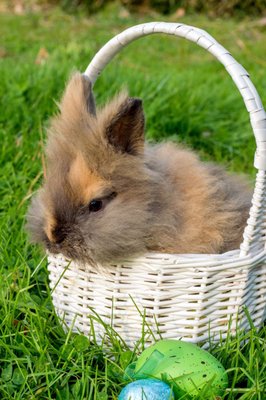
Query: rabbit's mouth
x,y
60,241
74,249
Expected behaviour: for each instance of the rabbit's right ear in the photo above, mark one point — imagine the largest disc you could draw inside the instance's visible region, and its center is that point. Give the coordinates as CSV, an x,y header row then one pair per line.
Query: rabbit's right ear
x,y
124,124
78,98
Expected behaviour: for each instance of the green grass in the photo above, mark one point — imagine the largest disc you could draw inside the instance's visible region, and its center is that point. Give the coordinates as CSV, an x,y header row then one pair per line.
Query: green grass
x,y
189,98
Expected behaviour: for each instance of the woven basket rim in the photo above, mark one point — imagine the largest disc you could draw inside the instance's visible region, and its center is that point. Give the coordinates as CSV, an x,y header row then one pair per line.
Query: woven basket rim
x,y
156,261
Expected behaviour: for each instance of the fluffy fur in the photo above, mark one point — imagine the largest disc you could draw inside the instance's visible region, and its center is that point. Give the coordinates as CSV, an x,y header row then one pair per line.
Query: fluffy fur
x,y
155,197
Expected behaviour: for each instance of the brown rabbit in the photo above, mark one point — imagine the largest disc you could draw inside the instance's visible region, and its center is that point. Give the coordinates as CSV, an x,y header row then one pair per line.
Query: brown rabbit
x,y
107,195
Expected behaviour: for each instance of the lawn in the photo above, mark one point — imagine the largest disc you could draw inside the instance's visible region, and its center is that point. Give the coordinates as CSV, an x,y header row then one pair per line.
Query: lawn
x,y
188,97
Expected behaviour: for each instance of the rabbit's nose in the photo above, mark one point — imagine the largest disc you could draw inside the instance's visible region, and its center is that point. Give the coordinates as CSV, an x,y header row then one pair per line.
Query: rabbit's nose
x,y
59,234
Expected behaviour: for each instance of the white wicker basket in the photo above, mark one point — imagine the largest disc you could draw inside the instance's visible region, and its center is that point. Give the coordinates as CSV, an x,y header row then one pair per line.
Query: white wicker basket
x,y
190,296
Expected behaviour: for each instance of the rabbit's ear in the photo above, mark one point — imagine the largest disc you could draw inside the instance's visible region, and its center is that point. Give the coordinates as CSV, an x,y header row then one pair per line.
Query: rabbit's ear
x,y
78,97
125,130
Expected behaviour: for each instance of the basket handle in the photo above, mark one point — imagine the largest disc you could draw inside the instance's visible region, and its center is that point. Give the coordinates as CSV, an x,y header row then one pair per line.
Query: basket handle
x,y
240,76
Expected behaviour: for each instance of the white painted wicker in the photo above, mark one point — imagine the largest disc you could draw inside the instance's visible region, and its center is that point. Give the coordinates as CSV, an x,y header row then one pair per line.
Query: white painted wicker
x,y
191,296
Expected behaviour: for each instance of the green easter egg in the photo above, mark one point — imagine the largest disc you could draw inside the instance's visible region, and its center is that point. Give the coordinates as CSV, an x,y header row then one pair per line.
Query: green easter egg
x,y
184,365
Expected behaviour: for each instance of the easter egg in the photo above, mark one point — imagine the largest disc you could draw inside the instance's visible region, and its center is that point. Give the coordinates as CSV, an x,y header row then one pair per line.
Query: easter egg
x,y
151,389
185,366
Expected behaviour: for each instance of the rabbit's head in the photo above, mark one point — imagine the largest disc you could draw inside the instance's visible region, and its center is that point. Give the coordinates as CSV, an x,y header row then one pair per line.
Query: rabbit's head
x,y
97,199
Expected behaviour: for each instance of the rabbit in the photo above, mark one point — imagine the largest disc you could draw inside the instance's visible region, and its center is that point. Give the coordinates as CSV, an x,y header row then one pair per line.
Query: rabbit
x,y
107,195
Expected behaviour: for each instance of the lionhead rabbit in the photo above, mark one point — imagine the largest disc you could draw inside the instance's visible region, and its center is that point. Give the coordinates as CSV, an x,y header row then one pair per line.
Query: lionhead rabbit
x,y
108,195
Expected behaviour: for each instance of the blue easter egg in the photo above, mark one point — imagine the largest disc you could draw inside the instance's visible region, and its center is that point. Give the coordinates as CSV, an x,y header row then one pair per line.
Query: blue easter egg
x,y
143,389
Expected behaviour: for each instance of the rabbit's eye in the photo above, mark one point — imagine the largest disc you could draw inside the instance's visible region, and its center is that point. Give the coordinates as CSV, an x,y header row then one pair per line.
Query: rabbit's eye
x,y
98,204
95,205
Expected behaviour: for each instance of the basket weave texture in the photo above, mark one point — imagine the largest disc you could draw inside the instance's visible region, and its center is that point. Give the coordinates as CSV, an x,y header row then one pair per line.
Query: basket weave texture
x,y
191,296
